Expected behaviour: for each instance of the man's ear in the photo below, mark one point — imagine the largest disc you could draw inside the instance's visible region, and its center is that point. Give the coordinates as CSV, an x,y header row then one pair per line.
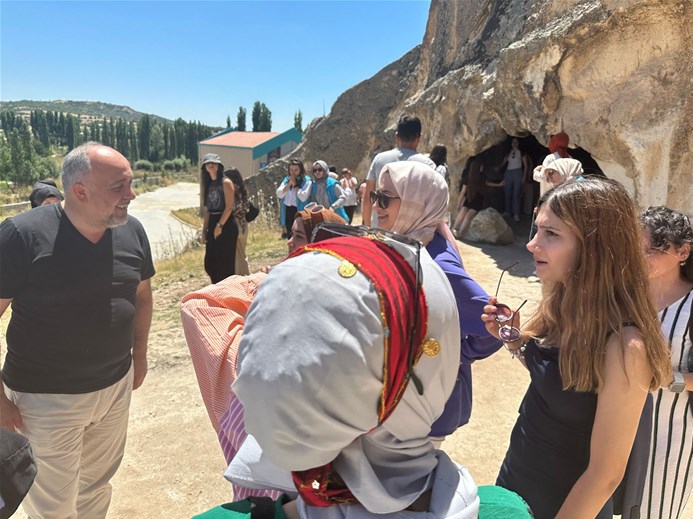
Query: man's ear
x,y
684,251
80,191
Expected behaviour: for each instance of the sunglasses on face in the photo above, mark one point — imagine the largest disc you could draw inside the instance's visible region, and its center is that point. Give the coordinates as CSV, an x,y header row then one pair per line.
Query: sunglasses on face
x,y
382,199
327,230
317,170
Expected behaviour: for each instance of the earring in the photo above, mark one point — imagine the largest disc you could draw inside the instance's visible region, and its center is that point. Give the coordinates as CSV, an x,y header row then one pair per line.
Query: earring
x,y
683,263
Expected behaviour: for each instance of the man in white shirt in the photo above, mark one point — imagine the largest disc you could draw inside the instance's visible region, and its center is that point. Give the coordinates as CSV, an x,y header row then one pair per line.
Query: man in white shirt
x,y
408,136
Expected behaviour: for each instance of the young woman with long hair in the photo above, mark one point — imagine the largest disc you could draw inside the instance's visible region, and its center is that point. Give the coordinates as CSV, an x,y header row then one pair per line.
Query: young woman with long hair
x,y
593,349
471,199
241,204
219,229
294,193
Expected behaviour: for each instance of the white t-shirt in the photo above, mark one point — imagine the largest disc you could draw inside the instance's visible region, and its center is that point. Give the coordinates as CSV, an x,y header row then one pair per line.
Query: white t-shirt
x,y
349,188
387,157
515,159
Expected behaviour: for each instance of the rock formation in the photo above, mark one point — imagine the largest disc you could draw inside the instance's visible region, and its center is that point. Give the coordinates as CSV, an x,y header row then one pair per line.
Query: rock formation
x,y
616,75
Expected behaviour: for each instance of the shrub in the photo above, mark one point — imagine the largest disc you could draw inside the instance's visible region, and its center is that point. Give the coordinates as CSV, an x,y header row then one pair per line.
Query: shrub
x,y
144,165
169,165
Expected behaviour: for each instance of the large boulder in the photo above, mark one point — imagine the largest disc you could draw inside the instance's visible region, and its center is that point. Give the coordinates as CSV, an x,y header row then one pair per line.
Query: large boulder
x,y
490,227
613,74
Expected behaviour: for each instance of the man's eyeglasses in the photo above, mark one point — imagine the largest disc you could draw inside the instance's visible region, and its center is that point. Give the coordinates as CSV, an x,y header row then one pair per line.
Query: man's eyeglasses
x,y
327,230
382,199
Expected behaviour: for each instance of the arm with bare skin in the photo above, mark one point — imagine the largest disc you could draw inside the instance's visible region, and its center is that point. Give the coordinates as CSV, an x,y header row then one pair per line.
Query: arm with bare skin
x,y
627,377
10,418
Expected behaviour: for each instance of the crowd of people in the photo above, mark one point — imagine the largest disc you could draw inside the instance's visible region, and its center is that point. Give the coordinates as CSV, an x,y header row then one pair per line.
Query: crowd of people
x,y
333,377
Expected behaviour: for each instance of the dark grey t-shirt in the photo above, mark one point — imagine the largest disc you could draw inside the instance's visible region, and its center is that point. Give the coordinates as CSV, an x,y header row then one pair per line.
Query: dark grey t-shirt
x,y
73,308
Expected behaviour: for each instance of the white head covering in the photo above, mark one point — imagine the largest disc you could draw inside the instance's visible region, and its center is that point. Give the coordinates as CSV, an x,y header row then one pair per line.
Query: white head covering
x,y
566,168
310,378
424,195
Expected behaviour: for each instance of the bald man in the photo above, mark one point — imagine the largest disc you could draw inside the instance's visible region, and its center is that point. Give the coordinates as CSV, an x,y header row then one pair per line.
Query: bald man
x,y
77,275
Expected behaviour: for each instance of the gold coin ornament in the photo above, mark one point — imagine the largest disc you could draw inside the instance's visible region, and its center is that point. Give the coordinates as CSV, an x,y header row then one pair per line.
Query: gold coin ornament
x,y
347,269
431,347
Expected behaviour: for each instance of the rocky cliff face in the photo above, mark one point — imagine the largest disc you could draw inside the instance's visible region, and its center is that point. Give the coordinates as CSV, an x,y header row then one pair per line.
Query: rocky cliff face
x,y
616,75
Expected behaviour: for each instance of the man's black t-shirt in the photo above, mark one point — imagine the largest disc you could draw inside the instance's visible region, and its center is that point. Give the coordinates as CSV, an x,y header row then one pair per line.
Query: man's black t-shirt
x,y
73,308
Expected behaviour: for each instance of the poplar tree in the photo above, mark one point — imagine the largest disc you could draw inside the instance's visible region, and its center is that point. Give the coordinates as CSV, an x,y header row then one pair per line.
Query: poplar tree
x,y
298,121
240,119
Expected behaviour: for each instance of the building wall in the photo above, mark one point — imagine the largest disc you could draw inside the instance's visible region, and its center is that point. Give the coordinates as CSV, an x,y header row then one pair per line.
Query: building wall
x,y
241,158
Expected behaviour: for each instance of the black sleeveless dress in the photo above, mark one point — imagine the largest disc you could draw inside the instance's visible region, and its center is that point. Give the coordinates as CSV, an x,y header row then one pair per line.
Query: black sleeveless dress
x,y
550,443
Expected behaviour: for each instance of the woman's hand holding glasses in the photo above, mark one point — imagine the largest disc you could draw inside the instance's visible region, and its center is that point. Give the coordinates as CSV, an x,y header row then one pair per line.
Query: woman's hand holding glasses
x,y
500,321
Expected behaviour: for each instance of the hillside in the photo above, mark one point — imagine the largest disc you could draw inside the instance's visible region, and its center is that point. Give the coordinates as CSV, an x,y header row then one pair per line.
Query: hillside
x,y
87,110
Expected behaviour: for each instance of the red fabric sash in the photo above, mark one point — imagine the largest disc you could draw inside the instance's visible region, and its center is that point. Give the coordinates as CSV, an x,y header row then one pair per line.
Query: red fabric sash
x,y
394,281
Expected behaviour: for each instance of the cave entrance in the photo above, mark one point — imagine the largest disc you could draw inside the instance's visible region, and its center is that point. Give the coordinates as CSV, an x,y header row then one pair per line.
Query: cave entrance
x,y
493,163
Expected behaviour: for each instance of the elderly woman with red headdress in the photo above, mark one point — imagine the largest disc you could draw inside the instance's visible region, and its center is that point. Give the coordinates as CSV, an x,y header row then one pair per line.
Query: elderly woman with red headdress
x,y
213,319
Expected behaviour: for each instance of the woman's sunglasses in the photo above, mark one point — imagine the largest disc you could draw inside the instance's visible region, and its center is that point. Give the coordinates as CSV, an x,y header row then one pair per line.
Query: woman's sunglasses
x,y
327,230
504,314
382,199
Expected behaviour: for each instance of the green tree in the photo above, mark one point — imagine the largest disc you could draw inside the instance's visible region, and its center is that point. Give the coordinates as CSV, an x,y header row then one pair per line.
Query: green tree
x,y
255,116
145,129
228,121
71,128
156,143
298,121
265,118
106,137
240,119
134,140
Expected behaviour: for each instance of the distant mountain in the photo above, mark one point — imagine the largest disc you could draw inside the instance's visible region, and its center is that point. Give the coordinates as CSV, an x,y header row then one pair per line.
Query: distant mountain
x,y
87,110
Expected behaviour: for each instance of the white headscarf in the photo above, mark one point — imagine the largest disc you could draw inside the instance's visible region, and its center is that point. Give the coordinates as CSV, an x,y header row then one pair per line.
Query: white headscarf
x,y
424,195
310,378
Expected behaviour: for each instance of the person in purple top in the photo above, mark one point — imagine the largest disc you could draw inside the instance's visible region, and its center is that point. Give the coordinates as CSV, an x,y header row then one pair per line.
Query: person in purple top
x,y
476,343
412,199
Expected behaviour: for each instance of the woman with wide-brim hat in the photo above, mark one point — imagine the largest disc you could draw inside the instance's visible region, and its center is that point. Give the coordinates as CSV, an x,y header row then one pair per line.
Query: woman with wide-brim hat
x,y
219,230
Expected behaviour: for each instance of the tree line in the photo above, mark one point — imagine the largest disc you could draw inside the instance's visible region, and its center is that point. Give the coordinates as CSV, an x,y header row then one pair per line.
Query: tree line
x,y
25,146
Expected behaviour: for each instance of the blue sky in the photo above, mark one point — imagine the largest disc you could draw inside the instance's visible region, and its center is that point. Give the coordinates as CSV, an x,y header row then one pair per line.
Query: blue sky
x,y
202,60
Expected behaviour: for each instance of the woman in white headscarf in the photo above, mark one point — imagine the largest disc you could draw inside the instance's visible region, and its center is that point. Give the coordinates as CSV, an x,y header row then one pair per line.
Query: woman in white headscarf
x,y
557,171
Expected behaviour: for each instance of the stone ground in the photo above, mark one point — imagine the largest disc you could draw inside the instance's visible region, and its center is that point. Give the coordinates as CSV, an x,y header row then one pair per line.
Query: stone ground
x,y
173,465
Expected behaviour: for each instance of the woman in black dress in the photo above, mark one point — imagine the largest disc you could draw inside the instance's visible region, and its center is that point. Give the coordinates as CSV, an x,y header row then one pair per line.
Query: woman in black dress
x,y
471,199
593,350
219,230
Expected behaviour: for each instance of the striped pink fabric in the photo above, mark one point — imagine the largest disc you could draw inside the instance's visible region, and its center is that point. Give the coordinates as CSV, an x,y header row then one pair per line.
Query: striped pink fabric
x,y
213,319
231,435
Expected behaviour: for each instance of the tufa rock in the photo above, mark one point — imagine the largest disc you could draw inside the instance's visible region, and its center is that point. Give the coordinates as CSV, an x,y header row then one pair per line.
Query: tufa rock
x,y
613,74
490,227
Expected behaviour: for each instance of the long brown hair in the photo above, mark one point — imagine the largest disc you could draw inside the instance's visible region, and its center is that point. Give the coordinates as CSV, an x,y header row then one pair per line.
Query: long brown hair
x,y
607,287
475,184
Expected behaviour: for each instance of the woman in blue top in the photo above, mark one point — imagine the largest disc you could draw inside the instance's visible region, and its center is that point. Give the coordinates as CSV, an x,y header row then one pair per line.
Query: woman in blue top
x,y
326,191
294,192
412,199
593,350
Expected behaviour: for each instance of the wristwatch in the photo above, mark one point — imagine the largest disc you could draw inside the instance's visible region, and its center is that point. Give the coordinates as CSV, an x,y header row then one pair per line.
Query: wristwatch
x,y
677,385
219,225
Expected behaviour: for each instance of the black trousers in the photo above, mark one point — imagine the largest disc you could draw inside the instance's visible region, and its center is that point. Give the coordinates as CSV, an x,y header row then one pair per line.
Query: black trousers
x,y
220,253
350,212
289,216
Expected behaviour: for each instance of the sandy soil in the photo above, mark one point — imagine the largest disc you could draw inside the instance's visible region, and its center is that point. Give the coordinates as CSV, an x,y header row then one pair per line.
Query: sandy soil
x,y
173,464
